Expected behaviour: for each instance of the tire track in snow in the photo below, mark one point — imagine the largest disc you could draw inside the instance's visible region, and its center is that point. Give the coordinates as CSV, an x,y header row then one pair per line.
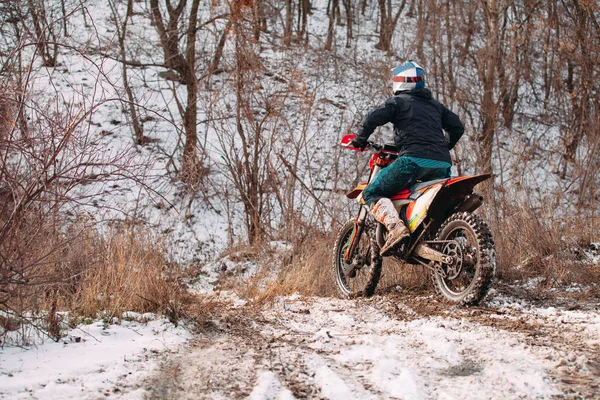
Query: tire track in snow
x,y
422,358
558,326
386,347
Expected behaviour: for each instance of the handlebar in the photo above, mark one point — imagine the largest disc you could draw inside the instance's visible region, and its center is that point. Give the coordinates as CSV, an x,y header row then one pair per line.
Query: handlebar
x,y
375,146
347,142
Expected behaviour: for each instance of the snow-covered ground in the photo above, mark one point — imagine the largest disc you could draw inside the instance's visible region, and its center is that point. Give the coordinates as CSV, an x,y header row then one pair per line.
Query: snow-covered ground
x,y
397,346
92,361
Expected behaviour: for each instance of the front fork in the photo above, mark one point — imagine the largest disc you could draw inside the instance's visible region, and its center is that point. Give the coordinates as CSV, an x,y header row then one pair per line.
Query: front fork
x,y
359,227
421,249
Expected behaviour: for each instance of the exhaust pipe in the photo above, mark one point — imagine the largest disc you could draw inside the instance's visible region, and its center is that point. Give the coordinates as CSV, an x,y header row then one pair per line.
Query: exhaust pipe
x,y
472,203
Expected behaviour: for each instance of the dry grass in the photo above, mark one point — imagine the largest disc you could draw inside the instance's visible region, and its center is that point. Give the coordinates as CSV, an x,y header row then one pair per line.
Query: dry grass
x,y
90,275
308,271
305,269
411,277
539,243
130,274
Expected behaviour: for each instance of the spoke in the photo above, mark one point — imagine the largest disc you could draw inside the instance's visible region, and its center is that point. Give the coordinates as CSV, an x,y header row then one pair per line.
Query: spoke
x,y
360,261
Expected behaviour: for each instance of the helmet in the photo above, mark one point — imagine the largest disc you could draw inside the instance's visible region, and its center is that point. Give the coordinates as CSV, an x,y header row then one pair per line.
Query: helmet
x,y
408,76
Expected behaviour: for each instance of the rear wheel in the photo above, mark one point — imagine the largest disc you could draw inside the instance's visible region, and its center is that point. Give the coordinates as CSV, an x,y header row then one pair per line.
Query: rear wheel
x,y
359,275
468,240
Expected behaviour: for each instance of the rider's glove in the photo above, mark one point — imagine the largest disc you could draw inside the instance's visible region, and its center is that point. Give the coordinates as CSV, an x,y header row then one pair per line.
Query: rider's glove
x,y
358,143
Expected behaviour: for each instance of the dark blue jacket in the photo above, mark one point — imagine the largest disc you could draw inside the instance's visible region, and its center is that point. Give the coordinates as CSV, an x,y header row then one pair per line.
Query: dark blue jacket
x,y
419,121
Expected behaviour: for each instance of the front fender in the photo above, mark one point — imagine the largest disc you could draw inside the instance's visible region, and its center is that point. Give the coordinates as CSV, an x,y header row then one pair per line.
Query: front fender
x,y
356,191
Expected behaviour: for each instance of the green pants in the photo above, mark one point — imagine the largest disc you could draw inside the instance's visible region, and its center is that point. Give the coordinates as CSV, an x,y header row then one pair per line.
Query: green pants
x,y
402,174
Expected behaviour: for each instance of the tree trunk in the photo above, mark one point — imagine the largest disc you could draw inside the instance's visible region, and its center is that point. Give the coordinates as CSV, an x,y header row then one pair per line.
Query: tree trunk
x,y
46,39
185,67
138,130
259,19
303,13
331,28
191,163
349,17
387,24
489,106
289,21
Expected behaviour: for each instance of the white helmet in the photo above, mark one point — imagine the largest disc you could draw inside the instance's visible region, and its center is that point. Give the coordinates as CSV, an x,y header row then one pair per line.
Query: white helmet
x,y
408,76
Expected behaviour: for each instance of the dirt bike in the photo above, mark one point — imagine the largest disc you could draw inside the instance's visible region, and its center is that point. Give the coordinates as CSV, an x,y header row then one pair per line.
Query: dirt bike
x,y
446,237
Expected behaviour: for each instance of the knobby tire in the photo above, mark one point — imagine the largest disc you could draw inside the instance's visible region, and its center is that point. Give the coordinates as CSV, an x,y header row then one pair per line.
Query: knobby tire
x,y
484,268
372,270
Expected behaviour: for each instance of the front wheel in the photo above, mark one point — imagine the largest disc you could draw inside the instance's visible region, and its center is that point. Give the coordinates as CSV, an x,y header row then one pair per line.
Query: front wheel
x,y
468,240
359,275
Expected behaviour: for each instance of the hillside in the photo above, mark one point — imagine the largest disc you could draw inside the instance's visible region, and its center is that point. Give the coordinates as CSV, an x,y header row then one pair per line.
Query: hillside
x,y
171,188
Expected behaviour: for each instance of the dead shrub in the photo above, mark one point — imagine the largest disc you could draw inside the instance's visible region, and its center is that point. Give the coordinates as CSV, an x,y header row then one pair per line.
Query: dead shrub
x,y
304,269
194,175
51,262
131,273
208,313
91,274
250,270
541,242
308,271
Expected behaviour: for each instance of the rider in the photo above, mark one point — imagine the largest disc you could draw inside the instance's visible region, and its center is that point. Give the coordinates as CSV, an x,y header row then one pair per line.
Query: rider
x,y
424,151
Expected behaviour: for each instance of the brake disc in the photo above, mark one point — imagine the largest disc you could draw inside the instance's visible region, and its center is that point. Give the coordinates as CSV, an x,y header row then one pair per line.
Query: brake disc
x,y
350,268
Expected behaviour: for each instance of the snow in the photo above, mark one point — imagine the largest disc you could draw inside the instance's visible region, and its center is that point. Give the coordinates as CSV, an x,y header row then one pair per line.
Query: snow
x,y
380,348
333,386
92,360
423,358
315,347
269,387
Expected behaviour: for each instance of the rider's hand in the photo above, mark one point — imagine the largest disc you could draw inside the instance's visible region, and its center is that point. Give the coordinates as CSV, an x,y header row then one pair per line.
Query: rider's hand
x,y
358,143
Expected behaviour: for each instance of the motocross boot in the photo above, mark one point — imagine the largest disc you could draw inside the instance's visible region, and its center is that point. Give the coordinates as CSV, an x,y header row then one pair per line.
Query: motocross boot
x,y
385,212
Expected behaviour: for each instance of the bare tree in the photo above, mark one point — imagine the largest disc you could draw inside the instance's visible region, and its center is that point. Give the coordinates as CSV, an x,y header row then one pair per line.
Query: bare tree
x,y
387,23
259,17
172,29
246,145
42,174
304,10
349,20
333,11
121,28
289,22
579,52
46,31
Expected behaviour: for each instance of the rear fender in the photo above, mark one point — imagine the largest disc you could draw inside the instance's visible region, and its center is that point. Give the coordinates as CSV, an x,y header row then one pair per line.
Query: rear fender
x,y
467,182
453,193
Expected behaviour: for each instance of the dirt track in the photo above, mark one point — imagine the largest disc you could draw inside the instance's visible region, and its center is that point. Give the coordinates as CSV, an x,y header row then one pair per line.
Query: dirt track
x,y
396,345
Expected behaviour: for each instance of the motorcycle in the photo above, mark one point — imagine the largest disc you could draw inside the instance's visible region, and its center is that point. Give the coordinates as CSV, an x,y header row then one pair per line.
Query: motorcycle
x,y
446,237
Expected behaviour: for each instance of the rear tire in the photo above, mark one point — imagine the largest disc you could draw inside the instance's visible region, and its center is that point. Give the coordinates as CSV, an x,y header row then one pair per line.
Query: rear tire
x,y
469,283
366,260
